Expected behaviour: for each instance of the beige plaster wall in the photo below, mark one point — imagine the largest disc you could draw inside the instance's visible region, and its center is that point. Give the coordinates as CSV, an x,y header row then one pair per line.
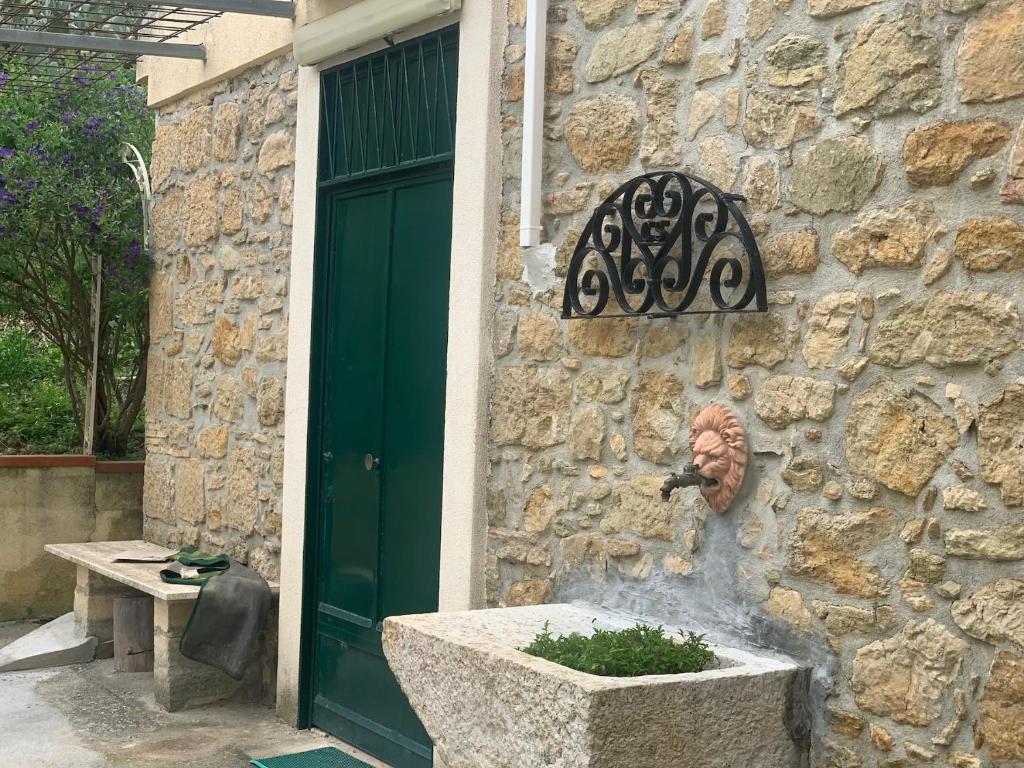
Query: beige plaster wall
x,y
234,42
42,505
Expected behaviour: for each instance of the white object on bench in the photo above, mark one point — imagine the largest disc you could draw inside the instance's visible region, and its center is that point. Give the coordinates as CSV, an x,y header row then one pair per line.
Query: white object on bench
x,y
180,682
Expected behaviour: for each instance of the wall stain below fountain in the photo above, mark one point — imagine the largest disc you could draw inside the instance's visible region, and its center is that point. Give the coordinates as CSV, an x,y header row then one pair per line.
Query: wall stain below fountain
x,y
709,602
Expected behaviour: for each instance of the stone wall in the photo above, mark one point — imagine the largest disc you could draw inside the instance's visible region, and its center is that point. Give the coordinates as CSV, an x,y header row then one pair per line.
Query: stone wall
x,y
57,500
222,182
880,145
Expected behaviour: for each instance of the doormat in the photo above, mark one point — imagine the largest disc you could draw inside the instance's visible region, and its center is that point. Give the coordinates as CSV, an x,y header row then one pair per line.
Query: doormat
x,y
326,757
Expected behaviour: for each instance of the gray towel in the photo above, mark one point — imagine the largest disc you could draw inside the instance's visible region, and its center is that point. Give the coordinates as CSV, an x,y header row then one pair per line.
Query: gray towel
x,y
227,620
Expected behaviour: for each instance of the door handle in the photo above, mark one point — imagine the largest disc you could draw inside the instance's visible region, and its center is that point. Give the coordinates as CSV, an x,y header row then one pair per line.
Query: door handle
x,y
371,462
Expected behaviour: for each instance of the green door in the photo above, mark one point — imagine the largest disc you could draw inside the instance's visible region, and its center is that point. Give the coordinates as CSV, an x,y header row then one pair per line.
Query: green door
x,y
383,251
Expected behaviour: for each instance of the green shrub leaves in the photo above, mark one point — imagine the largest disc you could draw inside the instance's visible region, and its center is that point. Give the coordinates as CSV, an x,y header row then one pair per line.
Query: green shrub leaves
x,y
35,410
639,650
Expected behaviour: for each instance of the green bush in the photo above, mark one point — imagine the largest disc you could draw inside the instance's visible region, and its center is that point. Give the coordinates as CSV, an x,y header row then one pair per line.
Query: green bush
x,y
639,650
35,411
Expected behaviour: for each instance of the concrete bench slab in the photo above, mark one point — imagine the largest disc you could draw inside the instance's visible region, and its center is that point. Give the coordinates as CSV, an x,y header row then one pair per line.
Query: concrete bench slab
x,y
180,682
98,556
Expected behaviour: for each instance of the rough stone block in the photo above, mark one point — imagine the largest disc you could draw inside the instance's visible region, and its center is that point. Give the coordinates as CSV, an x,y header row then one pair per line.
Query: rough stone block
x,y
94,608
468,683
181,682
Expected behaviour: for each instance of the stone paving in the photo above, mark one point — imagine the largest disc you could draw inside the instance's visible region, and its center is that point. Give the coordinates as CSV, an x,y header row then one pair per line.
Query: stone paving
x,y
89,716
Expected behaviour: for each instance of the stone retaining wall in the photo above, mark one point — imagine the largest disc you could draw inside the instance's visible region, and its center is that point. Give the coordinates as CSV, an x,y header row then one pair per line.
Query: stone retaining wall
x,y
222,179
880,145
56,500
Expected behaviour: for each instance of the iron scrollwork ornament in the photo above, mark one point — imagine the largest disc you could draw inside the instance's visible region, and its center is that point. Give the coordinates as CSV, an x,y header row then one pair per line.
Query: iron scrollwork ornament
x,y
651,245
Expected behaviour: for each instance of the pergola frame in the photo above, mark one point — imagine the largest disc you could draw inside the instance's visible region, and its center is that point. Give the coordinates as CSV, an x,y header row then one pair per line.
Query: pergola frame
x,y
283,9
60,41
100,43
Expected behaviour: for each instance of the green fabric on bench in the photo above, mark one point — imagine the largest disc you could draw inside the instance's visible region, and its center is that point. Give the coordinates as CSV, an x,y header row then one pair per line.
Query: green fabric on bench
x,y
206,564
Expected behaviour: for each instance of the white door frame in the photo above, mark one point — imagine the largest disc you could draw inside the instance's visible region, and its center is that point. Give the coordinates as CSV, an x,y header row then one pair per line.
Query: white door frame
x,y
476,198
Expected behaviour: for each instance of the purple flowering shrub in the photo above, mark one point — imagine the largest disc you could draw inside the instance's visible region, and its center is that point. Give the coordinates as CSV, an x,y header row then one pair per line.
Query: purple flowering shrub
x,y
67,201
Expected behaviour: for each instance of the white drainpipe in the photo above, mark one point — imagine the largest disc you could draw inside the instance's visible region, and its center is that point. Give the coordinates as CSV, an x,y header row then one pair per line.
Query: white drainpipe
x,y
533,123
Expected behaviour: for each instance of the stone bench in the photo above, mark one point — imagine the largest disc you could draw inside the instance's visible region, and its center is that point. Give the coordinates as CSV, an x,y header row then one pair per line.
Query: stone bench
x,y
179,682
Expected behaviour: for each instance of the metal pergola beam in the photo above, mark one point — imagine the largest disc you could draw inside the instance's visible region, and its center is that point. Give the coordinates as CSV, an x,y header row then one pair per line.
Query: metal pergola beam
x,y
284,9
104,44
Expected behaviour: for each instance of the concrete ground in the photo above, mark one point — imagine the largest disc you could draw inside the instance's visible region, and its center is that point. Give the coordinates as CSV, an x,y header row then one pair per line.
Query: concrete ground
x,y
12,630
89,716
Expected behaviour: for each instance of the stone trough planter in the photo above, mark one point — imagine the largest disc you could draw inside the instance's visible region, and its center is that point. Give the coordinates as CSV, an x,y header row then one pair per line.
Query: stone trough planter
x,y
488,705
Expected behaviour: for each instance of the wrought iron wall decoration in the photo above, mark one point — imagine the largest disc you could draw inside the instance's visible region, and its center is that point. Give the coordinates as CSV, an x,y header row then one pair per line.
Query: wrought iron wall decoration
x,y
650,245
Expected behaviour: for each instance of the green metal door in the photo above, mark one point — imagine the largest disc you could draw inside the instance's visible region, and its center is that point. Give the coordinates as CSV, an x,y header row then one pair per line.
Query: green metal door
x,y
384,241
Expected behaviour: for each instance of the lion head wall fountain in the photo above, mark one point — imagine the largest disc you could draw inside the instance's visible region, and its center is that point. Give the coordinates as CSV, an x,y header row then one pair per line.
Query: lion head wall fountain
x,y
719,445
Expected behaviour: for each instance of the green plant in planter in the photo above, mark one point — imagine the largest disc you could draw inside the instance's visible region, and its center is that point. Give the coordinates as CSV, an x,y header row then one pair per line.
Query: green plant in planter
x,y
639,650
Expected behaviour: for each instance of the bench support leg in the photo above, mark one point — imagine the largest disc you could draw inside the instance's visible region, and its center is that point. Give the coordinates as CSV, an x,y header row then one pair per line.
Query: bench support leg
x,y
94,608
181,682
133,634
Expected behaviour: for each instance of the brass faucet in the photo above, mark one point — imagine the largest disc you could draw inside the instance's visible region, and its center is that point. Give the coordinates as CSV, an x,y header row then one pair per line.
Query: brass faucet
x,y
691,476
